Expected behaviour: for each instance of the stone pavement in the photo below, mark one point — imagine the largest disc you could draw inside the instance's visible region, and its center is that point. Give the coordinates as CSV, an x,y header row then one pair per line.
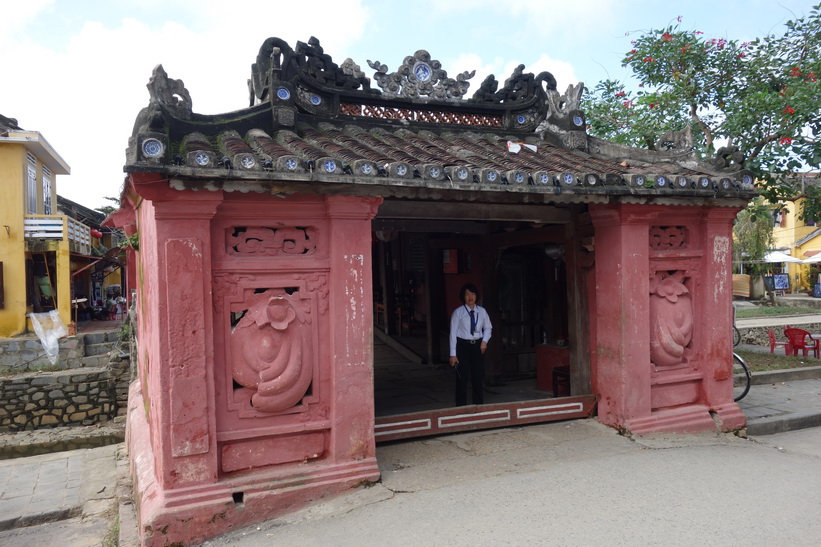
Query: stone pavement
x,y
76,489
71,498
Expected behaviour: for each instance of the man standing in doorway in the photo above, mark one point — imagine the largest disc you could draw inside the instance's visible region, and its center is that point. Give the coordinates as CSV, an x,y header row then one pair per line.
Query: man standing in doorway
x,y
470,331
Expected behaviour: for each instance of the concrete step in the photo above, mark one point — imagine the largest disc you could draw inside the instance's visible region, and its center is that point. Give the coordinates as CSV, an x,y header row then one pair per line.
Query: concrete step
x,y
99,349
95,361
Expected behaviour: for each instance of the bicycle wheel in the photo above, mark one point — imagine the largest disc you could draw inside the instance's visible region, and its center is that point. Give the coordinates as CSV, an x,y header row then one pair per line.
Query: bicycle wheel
x,y
742,378
736,336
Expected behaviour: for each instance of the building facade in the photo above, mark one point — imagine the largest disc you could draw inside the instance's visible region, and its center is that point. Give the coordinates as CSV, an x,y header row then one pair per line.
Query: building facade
x,y
50,255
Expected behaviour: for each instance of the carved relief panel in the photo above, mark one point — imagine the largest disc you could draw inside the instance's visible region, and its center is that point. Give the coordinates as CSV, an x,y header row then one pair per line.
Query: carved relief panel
x,y
671,319
271,329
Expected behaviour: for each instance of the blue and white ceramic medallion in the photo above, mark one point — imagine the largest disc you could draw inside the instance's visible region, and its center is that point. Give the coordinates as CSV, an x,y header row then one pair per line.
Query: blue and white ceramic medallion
x,y
422,71
462,173
152,148
329,166
366,168
401,169
725,183
492,176
291,164
747,180
247,161
283,93
519,177
567,178
704,182
544,178
661,181
434,172
520,119
640,180
201,158
316,100
591,180
578,121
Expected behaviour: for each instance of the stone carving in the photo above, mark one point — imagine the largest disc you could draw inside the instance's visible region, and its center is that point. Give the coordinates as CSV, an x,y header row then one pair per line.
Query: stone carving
x,y
668,238
728,157
520,86
270,348
671,319
169,93
681,140
420,75
317,284
276,61
268,241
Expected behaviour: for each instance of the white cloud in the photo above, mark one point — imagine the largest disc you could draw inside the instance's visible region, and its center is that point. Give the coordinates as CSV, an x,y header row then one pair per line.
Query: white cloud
x,y
84,99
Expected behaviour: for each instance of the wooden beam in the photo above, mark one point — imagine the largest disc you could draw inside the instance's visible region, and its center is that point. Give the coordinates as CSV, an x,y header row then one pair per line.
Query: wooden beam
x,y
423,210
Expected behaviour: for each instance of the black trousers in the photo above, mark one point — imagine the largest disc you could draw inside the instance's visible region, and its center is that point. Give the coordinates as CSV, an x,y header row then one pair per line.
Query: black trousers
x,y
471,367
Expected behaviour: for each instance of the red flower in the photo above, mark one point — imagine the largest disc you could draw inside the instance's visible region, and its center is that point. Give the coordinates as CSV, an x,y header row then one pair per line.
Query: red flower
x,y
647,60
685,49
741,55
788,110
633,51
666,37
678,18
653,105
785,141
698,32
621,94
811,77
795,71
627,104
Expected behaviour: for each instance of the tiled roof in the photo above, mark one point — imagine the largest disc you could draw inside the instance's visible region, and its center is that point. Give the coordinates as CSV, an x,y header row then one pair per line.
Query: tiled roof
x,y
312,122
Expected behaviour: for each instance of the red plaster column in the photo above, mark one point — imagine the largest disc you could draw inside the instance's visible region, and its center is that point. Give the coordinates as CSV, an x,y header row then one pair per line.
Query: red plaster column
x,y
622,376
180,375
717,301
351,326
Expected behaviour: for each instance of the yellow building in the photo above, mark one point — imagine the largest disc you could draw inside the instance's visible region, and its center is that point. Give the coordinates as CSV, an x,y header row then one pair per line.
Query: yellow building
x,y
798,238
39,248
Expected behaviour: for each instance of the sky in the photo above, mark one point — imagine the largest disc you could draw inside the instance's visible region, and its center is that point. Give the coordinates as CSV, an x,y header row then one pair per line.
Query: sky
x,y
76,70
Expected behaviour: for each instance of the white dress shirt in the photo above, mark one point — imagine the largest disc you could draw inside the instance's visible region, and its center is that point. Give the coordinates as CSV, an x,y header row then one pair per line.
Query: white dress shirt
x,y
460,326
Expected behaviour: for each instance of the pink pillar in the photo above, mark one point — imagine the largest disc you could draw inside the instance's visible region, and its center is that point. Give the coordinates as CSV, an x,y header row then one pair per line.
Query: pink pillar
x,y
663,298
718,297
351,312
256,368
622,346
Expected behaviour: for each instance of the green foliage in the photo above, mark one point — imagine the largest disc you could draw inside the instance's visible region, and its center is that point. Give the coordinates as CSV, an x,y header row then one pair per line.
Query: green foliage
x,y
753,236
108,209
774,311
761,96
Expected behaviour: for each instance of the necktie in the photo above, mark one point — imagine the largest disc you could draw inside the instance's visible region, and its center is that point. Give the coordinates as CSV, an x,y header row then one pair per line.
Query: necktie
x,y
472,322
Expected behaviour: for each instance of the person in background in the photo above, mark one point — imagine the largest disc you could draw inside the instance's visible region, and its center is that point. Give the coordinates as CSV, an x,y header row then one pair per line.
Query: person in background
x,y
470,331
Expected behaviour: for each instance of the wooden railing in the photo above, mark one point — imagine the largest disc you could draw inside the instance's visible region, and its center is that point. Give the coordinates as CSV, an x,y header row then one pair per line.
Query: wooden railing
x,y
59,227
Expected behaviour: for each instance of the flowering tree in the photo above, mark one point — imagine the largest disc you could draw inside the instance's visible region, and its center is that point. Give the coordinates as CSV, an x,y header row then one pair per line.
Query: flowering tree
x,y
761,100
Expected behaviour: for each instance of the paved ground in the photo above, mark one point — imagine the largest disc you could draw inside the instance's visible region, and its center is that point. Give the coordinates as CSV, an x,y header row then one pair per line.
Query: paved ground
x,y
566,483
65,498
573,483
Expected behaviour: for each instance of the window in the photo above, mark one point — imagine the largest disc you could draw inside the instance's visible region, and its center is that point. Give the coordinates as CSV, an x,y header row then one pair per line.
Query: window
x,y
46,191
31,189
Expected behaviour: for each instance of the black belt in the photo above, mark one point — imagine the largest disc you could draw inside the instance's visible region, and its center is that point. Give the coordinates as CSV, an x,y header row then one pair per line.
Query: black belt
x,y
470,341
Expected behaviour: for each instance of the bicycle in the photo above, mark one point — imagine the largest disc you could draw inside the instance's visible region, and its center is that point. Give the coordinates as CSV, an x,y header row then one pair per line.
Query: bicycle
x,y
736,332
742,378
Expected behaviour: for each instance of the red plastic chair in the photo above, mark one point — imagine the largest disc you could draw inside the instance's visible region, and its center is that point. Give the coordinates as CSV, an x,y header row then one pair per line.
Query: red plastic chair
x,y
797,339
774,343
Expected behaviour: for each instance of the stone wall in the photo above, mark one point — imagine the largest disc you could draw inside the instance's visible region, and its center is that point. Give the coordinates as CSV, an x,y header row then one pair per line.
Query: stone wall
x,y
87,385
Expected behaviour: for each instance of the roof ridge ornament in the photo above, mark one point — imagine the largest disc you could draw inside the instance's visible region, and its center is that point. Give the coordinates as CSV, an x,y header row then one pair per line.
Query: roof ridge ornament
x,y
169,93
420,75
